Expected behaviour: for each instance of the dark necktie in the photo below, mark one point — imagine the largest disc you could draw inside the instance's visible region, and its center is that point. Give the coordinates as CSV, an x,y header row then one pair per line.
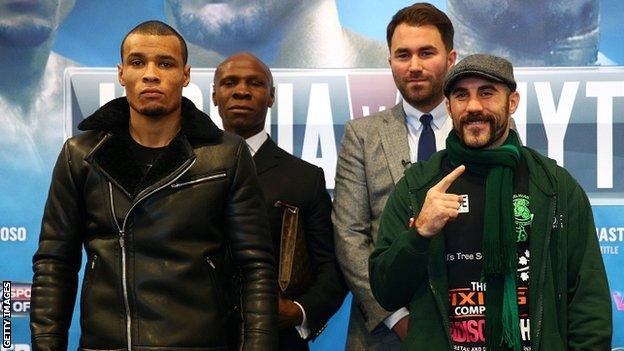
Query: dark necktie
x,y
426,142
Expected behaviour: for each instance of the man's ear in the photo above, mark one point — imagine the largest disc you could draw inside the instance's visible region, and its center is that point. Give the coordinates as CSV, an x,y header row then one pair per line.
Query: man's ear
x,y
451,58
187,74
271,96
120,75
514,101
214,95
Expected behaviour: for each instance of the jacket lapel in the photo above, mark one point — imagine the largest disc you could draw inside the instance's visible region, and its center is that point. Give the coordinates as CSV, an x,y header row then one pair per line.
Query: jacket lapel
x,y
267,156
393,136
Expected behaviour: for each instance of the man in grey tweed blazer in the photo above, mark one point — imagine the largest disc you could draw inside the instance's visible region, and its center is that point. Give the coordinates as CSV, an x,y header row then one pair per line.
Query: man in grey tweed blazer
x,y
376,150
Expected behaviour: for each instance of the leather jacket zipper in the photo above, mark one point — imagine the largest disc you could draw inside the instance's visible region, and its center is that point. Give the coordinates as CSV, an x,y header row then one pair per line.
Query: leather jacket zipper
x,y
210,263
93,260
212,271
122,244
199,180
88,274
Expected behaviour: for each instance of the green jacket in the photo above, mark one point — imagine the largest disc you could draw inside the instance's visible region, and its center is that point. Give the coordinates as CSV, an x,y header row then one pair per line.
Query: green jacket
x,y
569,304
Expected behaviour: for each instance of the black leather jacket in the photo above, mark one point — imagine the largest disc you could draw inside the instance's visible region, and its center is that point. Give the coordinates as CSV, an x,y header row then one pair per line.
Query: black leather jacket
x,y
162,248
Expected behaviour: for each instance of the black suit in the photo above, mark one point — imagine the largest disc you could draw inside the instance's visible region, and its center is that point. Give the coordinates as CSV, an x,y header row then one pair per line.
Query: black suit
x,y
289,179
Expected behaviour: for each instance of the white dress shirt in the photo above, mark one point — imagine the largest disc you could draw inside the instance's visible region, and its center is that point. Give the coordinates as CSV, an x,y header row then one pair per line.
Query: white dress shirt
x,y
441,125
254,143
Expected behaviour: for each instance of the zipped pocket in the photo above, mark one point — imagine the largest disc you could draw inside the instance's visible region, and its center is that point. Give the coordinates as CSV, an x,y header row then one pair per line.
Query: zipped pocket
x,y
90,269
213,274
215,176
89,274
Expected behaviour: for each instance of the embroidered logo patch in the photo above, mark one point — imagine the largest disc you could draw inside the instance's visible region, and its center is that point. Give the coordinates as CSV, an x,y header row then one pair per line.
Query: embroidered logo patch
x,y
522,216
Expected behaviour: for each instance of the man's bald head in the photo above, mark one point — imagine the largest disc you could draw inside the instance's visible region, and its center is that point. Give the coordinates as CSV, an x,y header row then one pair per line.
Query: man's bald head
x,y
242,57
158,28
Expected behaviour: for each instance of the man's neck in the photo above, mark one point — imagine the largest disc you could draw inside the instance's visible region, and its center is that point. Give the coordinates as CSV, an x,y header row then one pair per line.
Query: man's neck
x,y
427,107
154,131
244,133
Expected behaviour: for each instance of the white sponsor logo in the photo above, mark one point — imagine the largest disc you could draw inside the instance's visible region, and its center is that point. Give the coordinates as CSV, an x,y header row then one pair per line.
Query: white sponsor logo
x,y
464,207
13,234
610,234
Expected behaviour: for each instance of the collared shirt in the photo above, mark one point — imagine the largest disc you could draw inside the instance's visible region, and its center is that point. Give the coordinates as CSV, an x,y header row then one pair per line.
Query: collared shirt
x,y
441,125
254,143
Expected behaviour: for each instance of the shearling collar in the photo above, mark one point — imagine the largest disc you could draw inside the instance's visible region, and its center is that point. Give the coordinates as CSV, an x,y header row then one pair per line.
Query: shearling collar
x,y
114,116
111,155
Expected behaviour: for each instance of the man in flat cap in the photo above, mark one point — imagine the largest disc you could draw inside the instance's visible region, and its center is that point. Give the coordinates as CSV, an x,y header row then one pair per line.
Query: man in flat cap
x,y
492,243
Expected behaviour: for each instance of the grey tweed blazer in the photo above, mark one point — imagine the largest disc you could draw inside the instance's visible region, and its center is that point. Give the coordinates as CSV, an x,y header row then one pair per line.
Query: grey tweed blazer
x,y
372,158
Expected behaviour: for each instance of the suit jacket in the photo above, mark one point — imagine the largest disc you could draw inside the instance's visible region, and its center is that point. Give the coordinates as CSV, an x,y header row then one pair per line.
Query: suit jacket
x,y
372,158
299,183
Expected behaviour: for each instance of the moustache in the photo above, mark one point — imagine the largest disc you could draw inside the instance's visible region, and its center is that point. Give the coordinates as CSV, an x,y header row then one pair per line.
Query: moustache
x,y
416,76
478,117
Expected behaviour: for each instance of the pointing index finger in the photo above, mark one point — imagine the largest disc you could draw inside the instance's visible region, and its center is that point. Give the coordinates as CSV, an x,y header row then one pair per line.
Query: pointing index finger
x,y
446,182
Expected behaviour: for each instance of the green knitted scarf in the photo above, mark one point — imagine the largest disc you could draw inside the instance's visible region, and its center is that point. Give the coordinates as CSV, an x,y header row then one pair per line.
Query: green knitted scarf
x,y
502,329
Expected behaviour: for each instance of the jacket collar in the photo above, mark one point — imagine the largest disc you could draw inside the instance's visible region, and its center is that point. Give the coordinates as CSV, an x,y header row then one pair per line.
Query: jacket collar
x,y
111,156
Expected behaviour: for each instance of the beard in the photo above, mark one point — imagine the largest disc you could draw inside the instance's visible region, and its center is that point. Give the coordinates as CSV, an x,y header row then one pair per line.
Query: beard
x,y
428,95
154,111
498,127
478,117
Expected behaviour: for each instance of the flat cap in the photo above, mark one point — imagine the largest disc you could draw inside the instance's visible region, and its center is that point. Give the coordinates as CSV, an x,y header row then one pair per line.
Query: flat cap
x,y
481,65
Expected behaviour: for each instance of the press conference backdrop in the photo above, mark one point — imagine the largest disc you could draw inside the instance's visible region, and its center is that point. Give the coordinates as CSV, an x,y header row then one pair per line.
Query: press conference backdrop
x,y
568,54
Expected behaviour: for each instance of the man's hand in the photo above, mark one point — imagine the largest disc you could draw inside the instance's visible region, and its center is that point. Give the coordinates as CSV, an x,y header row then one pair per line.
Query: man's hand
x,y
289,314
400,328
439,207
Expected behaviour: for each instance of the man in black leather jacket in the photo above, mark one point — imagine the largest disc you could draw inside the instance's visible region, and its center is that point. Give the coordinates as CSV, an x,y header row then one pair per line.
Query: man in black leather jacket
x,y
168,209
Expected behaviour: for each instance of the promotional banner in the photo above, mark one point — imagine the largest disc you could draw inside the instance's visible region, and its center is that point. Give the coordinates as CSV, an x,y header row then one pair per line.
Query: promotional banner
x,y
329,61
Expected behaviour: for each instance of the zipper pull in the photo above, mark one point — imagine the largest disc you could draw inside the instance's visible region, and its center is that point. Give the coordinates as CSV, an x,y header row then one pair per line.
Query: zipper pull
x,y
210,263
121,240
93,262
